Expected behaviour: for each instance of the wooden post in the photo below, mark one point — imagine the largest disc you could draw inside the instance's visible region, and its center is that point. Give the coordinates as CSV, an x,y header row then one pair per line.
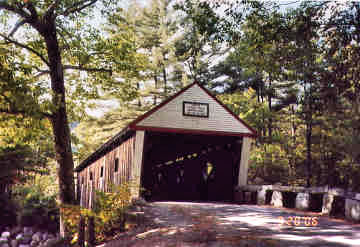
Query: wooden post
x,y
138,160
81,237
244,162
91,232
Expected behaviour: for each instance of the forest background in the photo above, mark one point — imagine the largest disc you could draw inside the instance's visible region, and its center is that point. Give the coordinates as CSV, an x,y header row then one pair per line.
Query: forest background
x,y
289,69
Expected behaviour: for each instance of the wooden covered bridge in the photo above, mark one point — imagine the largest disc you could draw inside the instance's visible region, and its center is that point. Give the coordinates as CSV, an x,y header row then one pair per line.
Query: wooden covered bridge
x,y
191,147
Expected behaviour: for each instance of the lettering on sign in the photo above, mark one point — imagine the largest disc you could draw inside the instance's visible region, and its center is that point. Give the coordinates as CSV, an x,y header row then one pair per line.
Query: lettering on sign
x,y
195,109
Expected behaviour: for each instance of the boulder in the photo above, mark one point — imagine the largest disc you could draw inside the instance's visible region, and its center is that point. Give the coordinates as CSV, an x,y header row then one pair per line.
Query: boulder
x,y
277,199
44,236
14,243
302,201
37,237
51,242
3,240
5,235
34,243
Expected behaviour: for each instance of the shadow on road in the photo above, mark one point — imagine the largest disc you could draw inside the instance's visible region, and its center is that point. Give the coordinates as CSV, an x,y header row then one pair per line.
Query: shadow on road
x,y
265,222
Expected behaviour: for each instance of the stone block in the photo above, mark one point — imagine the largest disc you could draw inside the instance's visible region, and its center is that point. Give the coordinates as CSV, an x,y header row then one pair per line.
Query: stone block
x,y
37,237
14,243
352,209
277,199
34,243
5,235
302,201
261,197
327,204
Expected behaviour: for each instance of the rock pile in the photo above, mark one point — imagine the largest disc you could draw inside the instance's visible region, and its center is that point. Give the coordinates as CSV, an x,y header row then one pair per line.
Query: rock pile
x,y
28,237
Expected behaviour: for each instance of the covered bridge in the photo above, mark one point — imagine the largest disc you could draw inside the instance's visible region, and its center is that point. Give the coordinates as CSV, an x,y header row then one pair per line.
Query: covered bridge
x,y
191,147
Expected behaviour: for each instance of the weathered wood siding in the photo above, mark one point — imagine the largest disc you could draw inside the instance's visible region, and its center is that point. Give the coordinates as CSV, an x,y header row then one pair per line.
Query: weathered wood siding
x,y
125,155
171,115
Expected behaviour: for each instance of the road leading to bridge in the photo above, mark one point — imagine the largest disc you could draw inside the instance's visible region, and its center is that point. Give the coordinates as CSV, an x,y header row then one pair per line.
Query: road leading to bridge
x,y
289,227
184,224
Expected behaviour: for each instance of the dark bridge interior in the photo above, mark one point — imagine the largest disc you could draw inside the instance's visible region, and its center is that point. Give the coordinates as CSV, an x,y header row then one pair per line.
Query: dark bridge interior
x,y
185,167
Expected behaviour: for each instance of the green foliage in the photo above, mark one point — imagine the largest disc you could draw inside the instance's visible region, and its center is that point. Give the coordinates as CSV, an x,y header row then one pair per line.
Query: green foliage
x,y
108,212
36,208
8,211
72,214
110,208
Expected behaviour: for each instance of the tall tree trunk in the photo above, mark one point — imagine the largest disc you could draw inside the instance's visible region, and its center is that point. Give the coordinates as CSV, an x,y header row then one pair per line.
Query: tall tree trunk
x,y
156,87
270,123
292,160
59,121
165,81
308,149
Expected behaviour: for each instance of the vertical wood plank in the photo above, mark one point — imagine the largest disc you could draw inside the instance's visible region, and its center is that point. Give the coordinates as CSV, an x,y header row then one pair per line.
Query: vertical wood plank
x,y
244,161
138,159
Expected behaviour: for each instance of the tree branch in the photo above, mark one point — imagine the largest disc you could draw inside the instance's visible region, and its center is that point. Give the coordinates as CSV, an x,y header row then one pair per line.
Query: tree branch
x,y
24,113
17,26
50,11
41,73
20,12
66,67
86,69
32,10
25,47
76,7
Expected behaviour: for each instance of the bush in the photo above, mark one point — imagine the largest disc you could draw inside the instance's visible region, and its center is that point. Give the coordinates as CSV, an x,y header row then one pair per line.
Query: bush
x,y
108,212
110,208
7,212
37,209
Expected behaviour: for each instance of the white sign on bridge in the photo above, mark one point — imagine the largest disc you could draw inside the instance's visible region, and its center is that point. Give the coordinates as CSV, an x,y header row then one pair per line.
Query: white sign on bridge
x,y
195,109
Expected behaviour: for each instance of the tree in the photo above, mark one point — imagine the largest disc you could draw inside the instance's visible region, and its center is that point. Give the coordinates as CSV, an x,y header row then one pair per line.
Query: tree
x,y
50,41
201,38
156,71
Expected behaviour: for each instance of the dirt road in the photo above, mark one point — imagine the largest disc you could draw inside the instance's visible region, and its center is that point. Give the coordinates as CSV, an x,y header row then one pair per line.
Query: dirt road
x,y
213,224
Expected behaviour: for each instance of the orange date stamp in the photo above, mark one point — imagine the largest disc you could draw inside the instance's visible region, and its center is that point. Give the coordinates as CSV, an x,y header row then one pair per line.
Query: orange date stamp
x,y
298,221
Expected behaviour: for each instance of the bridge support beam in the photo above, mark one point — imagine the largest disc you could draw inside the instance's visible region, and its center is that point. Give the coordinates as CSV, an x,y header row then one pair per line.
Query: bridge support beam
x,y
138,161
244,162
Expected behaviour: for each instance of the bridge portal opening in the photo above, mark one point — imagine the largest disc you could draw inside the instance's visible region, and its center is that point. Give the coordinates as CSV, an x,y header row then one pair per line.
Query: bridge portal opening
x,y
189,167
